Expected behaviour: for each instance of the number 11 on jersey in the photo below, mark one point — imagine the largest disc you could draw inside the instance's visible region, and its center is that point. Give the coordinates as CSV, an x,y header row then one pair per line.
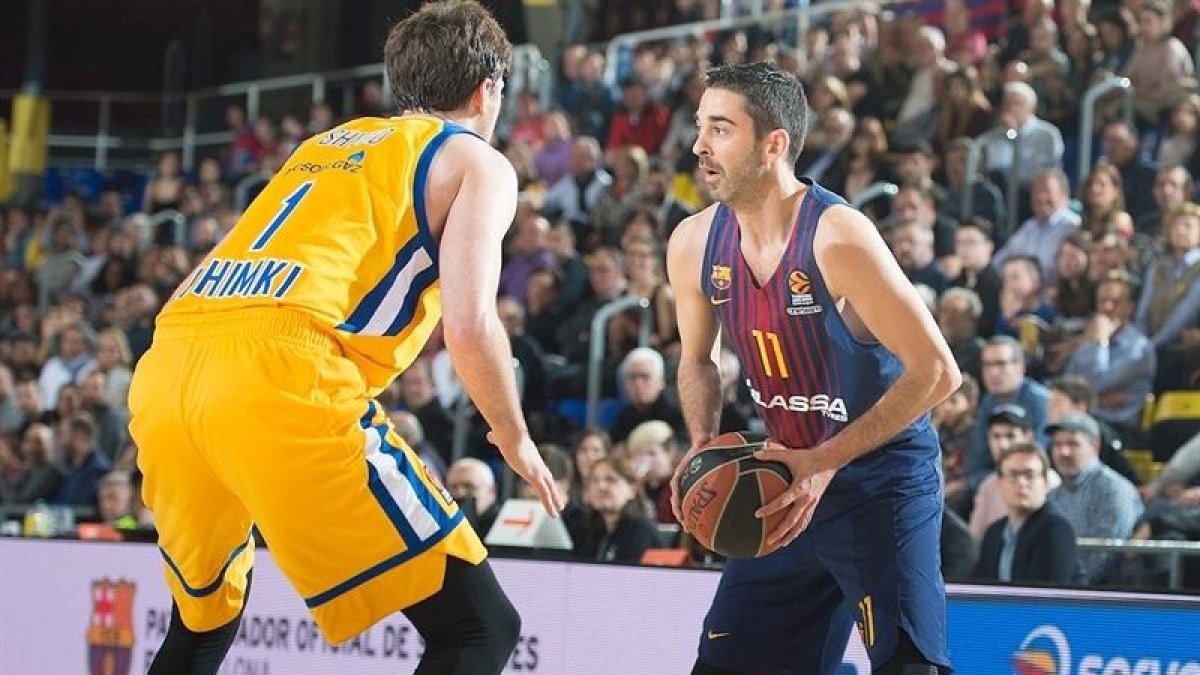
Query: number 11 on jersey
x,y
761,338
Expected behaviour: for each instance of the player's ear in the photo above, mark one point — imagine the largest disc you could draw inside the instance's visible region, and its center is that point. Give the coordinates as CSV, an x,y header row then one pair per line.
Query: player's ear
x,y
479,96
775,145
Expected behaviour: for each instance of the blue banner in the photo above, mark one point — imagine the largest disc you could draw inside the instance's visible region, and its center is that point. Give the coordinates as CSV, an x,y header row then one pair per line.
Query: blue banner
x,y
1028,635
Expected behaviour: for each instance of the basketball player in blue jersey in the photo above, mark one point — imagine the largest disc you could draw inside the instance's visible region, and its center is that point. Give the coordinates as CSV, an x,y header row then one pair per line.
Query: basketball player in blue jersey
x,y
844,363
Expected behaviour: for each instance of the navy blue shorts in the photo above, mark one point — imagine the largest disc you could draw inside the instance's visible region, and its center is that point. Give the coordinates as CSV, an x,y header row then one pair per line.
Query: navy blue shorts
x,y
870,557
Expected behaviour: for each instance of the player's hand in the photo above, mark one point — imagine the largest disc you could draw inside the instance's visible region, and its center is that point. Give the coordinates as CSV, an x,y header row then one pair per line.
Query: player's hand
x,y
809,480
679,468
524,458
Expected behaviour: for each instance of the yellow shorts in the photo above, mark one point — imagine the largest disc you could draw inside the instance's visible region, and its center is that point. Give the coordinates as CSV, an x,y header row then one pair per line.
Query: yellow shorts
x,y
256,418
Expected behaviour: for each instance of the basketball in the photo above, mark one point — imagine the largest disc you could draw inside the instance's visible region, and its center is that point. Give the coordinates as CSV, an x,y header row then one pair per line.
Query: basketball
x,y
722,487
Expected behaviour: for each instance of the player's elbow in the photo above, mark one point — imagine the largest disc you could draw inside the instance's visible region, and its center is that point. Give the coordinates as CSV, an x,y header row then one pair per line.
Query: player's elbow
x,y
466,329
944,377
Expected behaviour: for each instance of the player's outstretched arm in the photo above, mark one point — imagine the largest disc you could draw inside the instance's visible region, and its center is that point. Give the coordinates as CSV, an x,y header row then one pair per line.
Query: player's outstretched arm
x,y
699,377
469,264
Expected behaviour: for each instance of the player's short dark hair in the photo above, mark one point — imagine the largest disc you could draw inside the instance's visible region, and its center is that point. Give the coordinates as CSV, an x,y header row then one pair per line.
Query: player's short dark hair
x,y
437,56
1076,389
774,99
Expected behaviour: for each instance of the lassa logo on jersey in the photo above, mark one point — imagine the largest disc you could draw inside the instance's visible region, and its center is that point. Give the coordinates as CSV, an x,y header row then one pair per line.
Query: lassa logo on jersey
x,y
801,301
832,407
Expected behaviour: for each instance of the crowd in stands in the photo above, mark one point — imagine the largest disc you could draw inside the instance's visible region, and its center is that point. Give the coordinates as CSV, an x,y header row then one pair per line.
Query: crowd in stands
x,y
1069,301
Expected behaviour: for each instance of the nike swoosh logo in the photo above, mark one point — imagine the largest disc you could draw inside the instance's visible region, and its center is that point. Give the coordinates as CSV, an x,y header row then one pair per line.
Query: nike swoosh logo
x,y
714,635
721,301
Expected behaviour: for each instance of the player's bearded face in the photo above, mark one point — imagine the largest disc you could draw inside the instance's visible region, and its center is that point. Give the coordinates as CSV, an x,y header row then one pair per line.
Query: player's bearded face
x,y
736,172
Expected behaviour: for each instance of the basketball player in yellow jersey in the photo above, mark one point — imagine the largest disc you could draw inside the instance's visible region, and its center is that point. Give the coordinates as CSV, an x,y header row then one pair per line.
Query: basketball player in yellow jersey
x,y
254,405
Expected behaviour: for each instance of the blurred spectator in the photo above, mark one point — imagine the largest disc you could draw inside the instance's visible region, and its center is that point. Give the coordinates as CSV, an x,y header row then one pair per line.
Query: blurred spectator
x,y
1123,150
542,319
606,274
1073,292
964,44
1173,187
617,529
1022,306
1115,357
864,162
620,197
33,409
110,425
527,251
1115,29
117,506
562,469
420,398
1033,542
954,420
528,354
676,148
1007,426
1160,64
964,110
912,245
1170,298
165,189
73,358
320,118
114,360
1052,222
11,416
670,210
1096,500
1102,199
135,310
529,126
553,158
958,312
651,453
641,121
914,206
84,464
39,476
973,255
1004,382
928,61
574,196
590,447
643,373
836,125
408,427
1180,141
1073,395
473,486
1049,70
1041,142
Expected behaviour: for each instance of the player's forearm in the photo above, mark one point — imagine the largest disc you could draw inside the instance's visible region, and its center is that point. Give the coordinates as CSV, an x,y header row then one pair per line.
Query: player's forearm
x,y
912,395
700,397
483,361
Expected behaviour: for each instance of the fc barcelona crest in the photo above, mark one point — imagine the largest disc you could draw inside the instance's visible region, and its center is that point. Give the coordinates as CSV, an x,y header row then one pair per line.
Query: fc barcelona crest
x,y
110,632
722,276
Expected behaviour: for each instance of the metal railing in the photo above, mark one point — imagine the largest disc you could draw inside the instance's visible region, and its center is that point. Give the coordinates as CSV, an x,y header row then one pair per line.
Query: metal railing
x,y
801,16
599,341
972,173
530,70
874,191
1087,116
1173,550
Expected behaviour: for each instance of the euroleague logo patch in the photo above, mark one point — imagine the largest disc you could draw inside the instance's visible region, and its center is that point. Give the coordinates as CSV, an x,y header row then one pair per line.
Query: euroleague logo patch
x,y
801,301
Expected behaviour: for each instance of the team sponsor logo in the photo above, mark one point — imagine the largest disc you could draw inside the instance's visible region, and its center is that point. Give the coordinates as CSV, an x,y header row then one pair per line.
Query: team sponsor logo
x,y
1046,651
800,300
833,407
110,632
1043,652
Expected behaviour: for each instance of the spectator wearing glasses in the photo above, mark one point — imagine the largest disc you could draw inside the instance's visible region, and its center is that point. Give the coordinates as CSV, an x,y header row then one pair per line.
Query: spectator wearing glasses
x,y
1034,542
1004,381
643,375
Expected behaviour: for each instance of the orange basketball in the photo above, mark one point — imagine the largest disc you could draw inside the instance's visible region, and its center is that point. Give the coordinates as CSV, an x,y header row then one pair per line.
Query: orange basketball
x,y
723,486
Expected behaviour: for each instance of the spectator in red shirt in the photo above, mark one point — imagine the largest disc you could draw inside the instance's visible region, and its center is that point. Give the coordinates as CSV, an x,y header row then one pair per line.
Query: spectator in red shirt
x,y
641,121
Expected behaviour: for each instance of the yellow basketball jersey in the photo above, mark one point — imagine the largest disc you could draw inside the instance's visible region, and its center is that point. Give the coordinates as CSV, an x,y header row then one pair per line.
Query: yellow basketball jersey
x,y
340,233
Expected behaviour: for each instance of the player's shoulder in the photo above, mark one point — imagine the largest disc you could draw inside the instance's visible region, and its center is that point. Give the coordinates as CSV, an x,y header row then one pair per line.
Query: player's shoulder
x,y
464,154
694,229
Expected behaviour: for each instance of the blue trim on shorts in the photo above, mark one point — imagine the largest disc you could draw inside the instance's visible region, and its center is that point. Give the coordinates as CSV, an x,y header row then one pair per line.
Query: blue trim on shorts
x,y
380,568
211,588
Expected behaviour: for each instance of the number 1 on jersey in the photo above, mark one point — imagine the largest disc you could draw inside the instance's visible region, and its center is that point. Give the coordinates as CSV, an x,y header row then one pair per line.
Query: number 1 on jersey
x,y
289,205
762,338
